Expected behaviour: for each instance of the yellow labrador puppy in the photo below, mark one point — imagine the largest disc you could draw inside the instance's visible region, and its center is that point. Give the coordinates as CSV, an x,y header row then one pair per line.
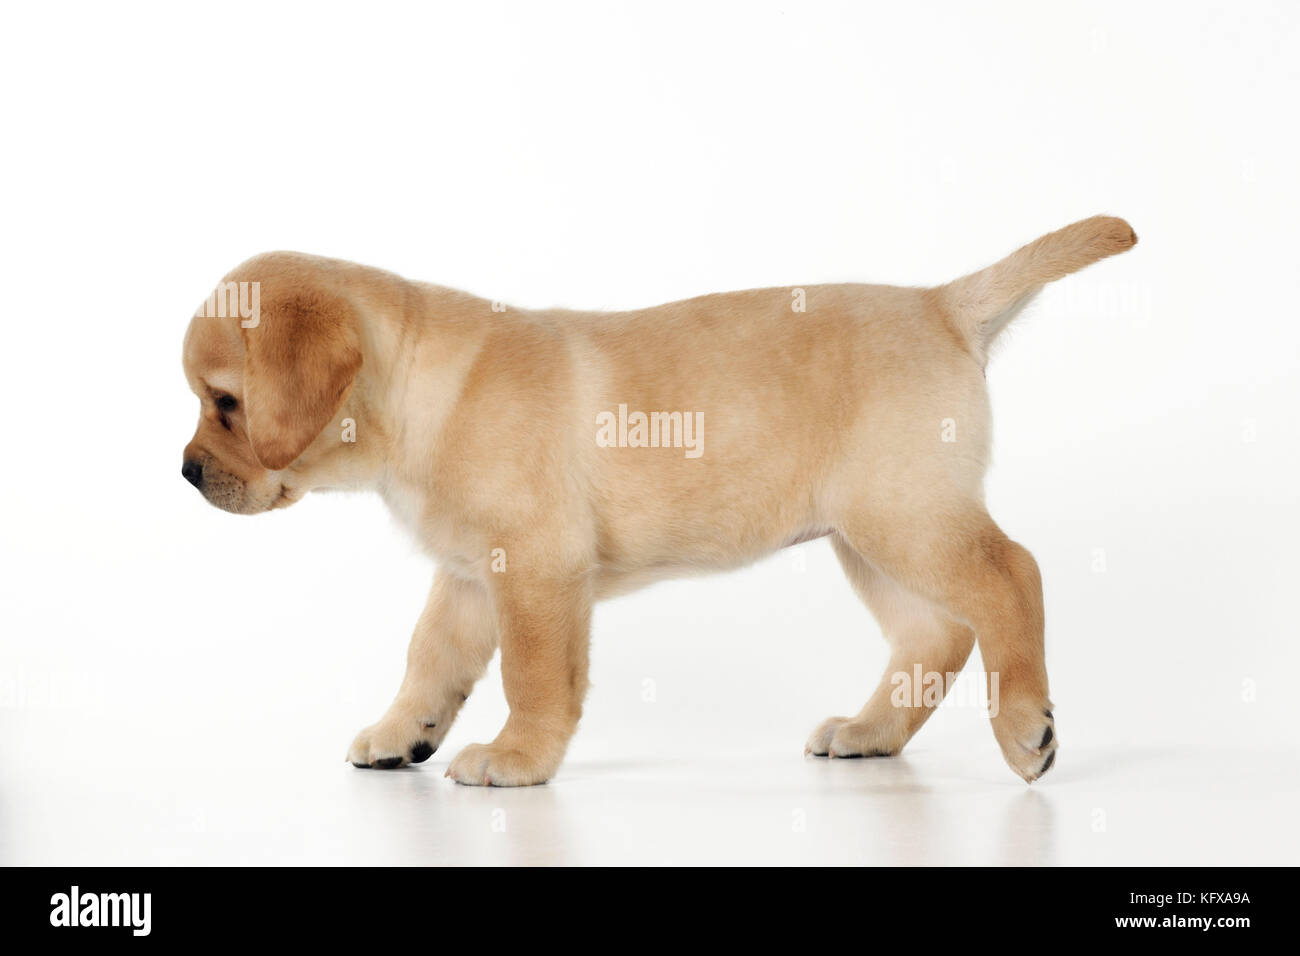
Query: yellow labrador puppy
x,y
548,459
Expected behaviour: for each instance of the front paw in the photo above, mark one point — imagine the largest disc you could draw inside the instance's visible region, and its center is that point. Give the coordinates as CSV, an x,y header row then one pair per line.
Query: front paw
x,y
500,765
395,742
1026,731
855,737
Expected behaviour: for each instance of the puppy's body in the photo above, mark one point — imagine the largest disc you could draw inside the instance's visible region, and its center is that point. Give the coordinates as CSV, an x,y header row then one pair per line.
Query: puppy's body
x,y
864,416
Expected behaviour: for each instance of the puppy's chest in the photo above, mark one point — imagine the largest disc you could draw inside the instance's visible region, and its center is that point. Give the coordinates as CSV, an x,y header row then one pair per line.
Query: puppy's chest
x,y
405,501
412,508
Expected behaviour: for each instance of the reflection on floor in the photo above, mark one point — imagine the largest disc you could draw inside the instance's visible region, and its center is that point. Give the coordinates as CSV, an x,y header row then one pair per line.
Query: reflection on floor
x,y
769,807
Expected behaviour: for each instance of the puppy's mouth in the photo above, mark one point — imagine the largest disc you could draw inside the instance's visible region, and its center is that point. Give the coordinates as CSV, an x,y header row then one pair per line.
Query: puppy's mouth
x,y
284,499
234,495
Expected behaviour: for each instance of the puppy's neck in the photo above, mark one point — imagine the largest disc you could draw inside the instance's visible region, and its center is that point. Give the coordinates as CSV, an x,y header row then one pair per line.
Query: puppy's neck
x,y
417,357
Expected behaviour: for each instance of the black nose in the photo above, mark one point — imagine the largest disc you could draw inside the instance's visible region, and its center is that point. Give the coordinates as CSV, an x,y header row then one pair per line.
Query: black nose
x,y
193,473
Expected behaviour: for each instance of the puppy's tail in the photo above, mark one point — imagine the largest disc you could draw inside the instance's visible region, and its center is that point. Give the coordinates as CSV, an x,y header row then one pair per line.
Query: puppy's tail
x,y
982,304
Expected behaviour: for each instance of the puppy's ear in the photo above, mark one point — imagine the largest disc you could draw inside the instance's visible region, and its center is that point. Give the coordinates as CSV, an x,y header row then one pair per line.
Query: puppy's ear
x,y
300,360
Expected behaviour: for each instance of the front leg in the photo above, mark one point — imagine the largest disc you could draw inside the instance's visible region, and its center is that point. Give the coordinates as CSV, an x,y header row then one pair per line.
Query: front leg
x,y
545,625
453,642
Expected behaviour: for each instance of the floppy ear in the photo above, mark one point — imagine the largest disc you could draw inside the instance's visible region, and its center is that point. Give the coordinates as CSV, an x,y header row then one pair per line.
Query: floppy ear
x,y
299,361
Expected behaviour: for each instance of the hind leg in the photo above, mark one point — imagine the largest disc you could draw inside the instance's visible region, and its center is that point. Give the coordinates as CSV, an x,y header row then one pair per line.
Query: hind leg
x,y
953,555
921,636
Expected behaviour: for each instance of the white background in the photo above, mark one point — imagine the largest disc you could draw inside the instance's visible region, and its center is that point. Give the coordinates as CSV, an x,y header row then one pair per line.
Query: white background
x,y
179,685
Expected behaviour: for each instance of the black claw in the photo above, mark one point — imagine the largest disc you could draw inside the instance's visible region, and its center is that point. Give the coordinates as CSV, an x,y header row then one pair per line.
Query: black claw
x,y
1048,715
387,763
1047,737
421,752
870,753
429,726
1047,764
363,766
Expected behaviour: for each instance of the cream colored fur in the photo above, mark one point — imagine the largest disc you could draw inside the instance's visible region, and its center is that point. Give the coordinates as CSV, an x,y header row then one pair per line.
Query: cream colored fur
x,y
480,429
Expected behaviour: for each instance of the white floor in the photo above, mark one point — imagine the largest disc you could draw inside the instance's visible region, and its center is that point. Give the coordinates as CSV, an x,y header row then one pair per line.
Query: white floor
x,y
937,804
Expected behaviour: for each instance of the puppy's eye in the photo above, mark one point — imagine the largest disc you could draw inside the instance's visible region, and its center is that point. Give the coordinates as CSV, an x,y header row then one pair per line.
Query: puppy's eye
x,y
227,403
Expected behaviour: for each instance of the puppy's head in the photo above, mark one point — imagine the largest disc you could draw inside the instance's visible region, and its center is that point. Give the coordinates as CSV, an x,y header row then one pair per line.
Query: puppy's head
x,y
269,380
